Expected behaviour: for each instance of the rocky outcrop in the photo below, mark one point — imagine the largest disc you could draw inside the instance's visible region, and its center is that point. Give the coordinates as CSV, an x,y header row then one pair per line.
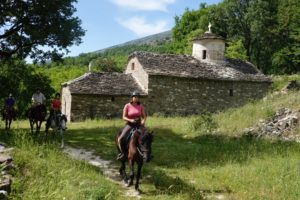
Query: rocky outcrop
x,y
6,164
282,125
292,85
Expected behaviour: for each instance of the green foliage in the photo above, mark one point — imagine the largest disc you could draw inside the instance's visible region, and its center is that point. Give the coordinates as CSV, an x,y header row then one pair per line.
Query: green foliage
x,y
204,122
287,57
236,50
105,64
22,80
29,25
191,22
60,74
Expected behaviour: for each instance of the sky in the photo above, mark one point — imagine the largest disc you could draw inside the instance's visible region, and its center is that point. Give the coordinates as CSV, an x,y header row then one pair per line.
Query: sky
x,y
112,22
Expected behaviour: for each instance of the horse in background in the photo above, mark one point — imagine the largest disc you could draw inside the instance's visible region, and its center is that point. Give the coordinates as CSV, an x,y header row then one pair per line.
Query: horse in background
x,y
139,150
8,116
36,116
58,124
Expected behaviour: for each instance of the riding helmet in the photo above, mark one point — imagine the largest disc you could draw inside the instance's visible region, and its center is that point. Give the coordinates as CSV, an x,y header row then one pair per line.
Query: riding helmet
x,y
135,94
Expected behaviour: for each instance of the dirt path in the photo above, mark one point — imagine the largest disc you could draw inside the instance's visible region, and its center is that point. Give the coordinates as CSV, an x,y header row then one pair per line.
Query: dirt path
x,y
109,170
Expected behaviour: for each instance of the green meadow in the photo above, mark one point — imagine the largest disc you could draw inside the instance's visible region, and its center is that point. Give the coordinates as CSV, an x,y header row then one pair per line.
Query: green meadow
x,y
195,157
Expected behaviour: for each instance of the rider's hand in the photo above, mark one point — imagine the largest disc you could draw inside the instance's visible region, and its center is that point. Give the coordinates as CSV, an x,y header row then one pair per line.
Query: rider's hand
x,y
142,122
132,121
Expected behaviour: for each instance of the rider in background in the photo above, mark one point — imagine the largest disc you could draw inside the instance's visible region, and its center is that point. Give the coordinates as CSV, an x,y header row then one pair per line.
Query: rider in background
x,y
9,105
135,117
38,99
55,107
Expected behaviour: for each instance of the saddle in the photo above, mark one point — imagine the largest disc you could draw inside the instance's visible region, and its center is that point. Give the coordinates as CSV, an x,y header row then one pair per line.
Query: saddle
x,y
126,140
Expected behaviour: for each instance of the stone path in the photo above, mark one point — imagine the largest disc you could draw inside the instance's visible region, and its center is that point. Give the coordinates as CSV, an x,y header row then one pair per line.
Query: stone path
x,y
109,170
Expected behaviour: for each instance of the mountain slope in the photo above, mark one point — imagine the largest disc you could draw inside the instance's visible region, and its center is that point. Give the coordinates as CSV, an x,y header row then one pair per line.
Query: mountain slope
x,y
151,40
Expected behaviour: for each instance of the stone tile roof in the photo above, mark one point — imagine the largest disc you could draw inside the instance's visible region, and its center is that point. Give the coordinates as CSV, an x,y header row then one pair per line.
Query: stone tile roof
x,y
104,83
208,35
189,67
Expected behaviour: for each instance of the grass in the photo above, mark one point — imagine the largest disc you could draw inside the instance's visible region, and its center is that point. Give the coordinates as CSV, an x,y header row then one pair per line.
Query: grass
x,y
195,156
44,172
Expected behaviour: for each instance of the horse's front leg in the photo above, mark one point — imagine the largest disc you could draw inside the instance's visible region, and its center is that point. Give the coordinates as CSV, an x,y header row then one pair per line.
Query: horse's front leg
x,y
31,125
9,123
62,138
38,126
131,177
123,172
138,175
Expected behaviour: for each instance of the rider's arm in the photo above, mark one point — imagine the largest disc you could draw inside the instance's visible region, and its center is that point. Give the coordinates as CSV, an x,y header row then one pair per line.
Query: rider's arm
x,y
144,116
43,99
33,99
125,115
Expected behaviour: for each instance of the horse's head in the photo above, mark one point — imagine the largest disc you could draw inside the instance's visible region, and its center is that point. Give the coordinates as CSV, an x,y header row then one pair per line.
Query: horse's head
x,y
146,143
61,120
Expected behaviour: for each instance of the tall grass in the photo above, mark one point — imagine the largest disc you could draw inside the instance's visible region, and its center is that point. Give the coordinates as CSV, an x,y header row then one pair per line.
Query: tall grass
x,y
44,172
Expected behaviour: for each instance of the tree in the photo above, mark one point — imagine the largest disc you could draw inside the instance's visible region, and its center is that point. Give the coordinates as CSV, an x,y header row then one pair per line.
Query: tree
x,y
22,80
27,27
287,57
236,50
186,25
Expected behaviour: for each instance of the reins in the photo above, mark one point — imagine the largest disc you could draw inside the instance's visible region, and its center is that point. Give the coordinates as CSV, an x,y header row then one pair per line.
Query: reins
x,y
139,148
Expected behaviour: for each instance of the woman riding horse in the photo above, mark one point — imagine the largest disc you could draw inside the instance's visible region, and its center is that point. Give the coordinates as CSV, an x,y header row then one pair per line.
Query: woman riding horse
x,y
135,117
54,109
37,112
8,113
9,107
139,150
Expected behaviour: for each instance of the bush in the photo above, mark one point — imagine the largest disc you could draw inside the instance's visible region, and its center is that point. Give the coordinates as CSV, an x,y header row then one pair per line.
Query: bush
x,y
204,122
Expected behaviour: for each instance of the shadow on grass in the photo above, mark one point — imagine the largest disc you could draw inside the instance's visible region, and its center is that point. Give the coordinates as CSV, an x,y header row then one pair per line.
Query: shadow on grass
x,y
173,151
167,185
10,137
100,140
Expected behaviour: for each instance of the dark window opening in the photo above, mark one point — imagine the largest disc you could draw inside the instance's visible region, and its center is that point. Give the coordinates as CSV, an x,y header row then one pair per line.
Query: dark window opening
x,y
204,54
132,66
112,99
231,92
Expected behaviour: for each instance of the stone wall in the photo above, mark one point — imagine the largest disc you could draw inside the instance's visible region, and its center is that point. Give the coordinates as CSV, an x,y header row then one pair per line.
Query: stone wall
x,y
66,102
90,107
135,68
172,95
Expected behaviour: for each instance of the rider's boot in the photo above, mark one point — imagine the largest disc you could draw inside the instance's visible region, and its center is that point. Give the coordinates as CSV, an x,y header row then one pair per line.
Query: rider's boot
x,y
122,155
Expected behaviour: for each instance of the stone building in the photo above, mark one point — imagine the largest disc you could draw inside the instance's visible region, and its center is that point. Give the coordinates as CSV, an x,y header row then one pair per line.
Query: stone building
x,y
170,84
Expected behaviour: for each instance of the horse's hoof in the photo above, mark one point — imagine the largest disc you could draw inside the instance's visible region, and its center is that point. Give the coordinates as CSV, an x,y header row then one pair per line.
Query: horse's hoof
x,y
129,184
138,191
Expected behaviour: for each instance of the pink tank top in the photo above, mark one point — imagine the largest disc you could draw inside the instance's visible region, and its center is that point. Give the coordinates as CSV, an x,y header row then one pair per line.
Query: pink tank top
x,y
133,111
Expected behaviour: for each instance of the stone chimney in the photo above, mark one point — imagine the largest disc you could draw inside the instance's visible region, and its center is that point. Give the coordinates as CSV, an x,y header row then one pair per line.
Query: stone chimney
x,y
209,47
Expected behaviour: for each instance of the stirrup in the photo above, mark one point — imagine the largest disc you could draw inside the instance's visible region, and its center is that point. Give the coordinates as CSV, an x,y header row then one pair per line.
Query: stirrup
x,y
121,156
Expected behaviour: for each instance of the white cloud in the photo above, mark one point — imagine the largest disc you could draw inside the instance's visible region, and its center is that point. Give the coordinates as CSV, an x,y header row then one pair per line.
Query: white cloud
x,y
140,27
150,5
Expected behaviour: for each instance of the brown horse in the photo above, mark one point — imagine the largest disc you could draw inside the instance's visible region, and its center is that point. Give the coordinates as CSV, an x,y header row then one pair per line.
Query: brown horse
x,y
36,116
139,150
8,116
